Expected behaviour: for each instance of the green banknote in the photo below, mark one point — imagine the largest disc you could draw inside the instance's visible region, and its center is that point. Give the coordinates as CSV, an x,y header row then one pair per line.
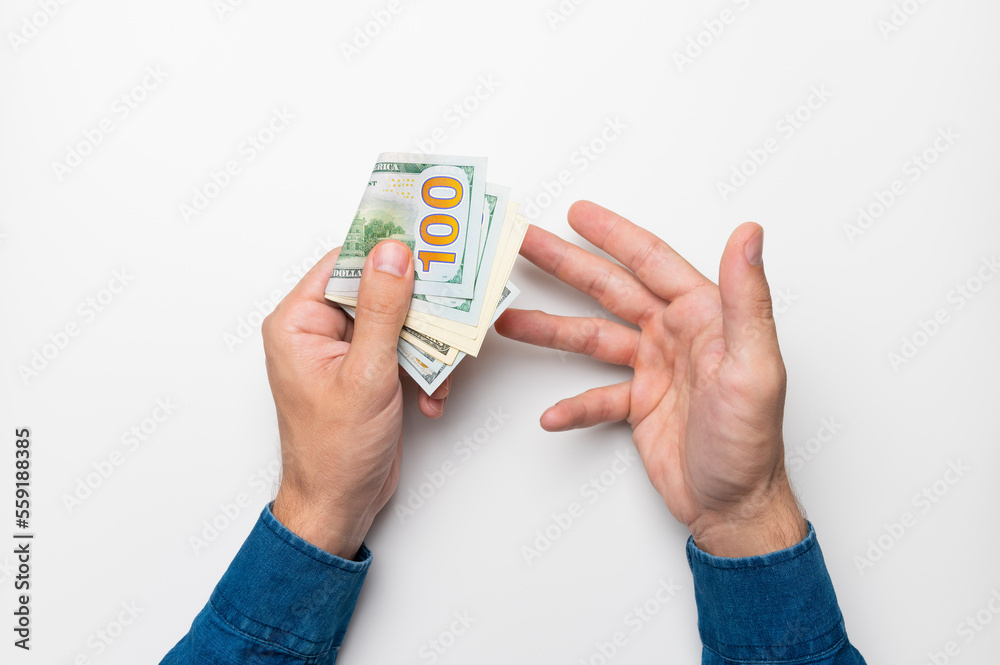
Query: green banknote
x,y
434,205
429,372
467,310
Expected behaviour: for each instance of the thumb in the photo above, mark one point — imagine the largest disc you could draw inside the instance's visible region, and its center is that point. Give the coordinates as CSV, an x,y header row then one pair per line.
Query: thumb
x,y
747,315
383,300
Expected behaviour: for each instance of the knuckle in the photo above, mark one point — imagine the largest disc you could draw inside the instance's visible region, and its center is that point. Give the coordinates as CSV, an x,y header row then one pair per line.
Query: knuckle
x,y
270,326
592,332
761,299
598,285
765,376
380,308
645,253
369,373
775,375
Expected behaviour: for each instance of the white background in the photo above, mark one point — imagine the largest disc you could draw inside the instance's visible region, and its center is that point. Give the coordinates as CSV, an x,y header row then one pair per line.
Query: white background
x,y
848,301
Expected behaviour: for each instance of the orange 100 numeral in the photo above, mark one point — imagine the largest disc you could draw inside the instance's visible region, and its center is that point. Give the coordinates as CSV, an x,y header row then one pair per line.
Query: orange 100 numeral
x,y
436,239
438,220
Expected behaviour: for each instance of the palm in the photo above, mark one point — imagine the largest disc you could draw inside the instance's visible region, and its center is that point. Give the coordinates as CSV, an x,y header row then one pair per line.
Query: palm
x,y
705,413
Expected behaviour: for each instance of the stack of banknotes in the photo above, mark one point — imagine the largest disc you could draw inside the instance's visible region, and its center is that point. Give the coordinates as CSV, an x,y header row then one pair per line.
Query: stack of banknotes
x,y
464,233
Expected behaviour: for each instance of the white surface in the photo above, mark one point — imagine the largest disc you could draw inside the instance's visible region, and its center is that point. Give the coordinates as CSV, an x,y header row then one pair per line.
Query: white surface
x,y
163,337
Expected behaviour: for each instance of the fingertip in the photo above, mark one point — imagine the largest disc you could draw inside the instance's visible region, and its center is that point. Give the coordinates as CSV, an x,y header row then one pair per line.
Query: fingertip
x,y
550,420
443,390
753,242
431,408
393,258
506,323
584,214
741,235
578,208
747,313
501,324
743,249
329,258
436,406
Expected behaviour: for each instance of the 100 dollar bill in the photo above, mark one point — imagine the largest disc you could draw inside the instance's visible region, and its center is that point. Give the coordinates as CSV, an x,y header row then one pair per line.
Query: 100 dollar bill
x,y
427,371
469,338
432,204
464,310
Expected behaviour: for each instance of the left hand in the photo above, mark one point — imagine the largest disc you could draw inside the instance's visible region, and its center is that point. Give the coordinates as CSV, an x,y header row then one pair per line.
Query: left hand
x,y
708,390
337,391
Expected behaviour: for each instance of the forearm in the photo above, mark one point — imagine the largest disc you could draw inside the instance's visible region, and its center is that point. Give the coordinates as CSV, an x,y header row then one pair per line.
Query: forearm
x,y
282,601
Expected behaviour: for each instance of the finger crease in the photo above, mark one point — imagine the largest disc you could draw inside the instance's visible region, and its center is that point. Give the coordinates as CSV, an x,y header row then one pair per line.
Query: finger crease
x,y
593,343
599,285
611,227
558,260
640,261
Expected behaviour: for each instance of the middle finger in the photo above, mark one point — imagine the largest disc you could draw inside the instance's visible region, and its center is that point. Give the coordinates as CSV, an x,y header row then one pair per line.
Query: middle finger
x,y
611,285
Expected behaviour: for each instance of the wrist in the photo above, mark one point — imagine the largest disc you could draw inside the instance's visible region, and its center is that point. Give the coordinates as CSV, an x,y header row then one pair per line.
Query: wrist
x,y
338,532
768,521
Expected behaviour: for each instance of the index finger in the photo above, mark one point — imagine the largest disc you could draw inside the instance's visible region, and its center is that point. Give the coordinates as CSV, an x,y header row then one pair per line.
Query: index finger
x,y
654,262
313,285
305,309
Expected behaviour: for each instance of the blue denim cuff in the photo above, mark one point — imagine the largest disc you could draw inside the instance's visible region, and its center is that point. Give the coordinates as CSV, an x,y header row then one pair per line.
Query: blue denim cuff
x,y
287,595
776,607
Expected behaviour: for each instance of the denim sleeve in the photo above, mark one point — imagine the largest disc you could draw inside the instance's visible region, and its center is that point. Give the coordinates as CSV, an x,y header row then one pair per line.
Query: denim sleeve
x,y
779,607
282,601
